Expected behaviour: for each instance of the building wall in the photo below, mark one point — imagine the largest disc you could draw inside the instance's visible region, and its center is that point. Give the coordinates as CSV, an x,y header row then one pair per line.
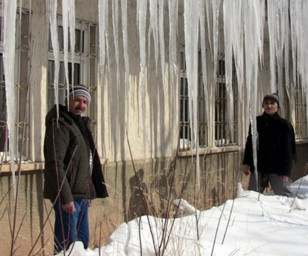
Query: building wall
x,y
135,188
137,140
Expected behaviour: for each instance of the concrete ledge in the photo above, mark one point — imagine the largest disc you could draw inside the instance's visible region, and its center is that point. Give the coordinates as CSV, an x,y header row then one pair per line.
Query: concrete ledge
x,y
26,167
209,151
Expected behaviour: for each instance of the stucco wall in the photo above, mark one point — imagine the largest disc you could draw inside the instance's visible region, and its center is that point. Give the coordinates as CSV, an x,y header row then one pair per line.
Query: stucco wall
x,y
160,180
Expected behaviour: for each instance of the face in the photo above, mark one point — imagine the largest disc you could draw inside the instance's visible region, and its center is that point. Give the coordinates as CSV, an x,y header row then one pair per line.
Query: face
x,y
270,107
78,105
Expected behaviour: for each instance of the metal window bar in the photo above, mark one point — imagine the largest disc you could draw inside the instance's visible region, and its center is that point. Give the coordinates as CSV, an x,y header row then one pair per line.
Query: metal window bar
x,y
301,131
185,129
21,92
221,135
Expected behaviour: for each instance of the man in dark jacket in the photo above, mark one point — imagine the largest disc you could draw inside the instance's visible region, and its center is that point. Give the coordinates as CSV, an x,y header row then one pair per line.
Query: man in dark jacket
x,y
275,150
73,174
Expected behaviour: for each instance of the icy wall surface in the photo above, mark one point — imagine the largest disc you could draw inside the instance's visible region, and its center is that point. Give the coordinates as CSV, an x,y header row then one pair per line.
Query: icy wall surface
x,y
244,25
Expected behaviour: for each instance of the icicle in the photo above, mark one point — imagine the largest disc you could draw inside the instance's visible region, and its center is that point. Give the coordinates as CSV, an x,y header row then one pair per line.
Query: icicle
x,y
215,11
115,21
173,20
9,30
304,55
102,16
52,10
153,28
203,60
126,57
209,26
65,13
162,39
294,17
228,34
278,26
253,29
191,29
142,14
237,44
71,16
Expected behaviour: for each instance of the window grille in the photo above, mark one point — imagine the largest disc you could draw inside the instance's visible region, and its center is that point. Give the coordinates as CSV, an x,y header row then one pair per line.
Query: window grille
x,y
21,91
301,131
222,135
185,129
84,64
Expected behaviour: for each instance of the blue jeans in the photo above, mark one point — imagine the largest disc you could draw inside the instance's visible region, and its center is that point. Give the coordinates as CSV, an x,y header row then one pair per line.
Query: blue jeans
x,y
71,227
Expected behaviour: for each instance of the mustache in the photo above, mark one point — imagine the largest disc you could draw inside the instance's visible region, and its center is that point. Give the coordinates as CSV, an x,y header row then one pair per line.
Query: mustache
x,y
79,109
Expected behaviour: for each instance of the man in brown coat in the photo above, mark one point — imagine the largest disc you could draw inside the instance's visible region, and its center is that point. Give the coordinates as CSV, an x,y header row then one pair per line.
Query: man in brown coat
x,y
73,174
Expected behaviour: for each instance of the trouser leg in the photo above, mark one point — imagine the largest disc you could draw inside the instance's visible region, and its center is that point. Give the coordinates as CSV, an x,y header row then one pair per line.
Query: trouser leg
x,y
65,228
83,233
253,183
279,187
71,227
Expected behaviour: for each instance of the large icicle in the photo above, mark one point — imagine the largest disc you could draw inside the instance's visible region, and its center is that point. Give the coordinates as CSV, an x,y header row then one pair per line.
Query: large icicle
x,y
237,44
126,57
52,9
278,27
115,23
71,19
215,12
9,30
299,40
153,29
161,38
141,21
191,29
203,59
102,20
228,34
173,21
253,28
65,24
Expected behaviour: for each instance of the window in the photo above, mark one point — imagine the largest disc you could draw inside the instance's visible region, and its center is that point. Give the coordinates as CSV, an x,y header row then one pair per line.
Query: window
x,y
84,63
222,134
222,131
185,129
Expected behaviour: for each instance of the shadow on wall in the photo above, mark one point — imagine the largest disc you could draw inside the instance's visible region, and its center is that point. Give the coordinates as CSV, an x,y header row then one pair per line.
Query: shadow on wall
x,y
139,196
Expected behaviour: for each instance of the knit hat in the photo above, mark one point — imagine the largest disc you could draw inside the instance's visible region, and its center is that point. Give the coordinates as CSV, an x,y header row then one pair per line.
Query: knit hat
x,y
272,96
80,90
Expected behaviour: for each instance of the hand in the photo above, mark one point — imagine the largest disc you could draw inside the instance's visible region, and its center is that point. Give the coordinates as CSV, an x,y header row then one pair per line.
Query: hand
x,y
89,202
245,169
69,207
285,178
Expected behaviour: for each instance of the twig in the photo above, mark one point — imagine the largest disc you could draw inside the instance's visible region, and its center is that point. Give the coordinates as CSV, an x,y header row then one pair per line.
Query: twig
x,y
217,229
228,222
300,184
141,192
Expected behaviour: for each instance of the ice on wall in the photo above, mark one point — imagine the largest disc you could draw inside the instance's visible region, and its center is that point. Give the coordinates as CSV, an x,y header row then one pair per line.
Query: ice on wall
x,y
53,25
126,57
243,43
253,31
191,28
141,23
9,39
278,27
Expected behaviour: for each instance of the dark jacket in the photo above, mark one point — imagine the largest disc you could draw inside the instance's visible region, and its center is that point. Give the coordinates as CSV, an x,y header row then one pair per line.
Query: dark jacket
x,y
275,145
67,146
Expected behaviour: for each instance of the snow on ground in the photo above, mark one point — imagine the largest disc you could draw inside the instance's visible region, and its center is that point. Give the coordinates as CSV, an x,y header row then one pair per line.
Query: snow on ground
x,y
251,224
